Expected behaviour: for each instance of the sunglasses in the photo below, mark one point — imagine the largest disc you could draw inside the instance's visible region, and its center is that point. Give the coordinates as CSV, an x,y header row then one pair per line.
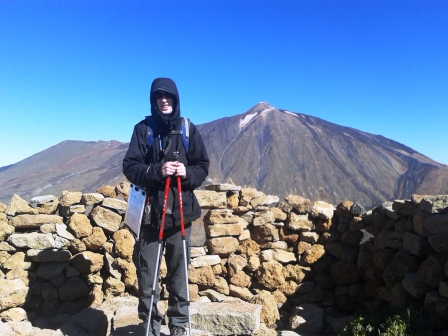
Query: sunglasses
x,y
160,94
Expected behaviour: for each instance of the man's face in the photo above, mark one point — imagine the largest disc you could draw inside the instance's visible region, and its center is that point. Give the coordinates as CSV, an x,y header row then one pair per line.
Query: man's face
x,y
164,101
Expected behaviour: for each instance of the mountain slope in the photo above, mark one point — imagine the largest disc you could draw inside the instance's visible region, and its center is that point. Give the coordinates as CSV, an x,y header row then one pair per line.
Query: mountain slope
x,y
281,152
273,150
69,165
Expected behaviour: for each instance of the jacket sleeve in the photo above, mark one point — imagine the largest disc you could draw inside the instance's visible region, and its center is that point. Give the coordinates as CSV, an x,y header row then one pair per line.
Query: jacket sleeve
x,y
198,161
135,166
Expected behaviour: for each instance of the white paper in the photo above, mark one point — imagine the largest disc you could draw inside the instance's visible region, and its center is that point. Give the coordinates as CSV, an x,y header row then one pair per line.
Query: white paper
x,y
134,211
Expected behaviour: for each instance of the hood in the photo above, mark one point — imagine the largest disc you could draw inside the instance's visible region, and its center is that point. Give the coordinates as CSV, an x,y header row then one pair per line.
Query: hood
x,y
165,123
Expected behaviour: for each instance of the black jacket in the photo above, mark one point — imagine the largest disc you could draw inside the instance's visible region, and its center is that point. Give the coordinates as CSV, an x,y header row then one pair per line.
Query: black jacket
x,y
143,166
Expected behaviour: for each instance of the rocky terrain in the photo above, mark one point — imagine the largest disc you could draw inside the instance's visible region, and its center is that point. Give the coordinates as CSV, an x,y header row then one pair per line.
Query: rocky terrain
x,y
276,151
268,265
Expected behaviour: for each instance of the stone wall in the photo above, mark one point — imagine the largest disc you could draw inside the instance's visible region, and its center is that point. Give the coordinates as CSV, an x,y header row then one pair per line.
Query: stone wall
x,y
308,265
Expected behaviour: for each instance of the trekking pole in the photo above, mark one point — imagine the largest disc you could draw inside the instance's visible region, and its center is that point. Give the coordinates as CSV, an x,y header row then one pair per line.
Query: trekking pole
x,y
159,252
182,227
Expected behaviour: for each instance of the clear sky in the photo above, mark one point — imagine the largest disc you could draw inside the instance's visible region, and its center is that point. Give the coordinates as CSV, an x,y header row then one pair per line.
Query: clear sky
x,y
81,70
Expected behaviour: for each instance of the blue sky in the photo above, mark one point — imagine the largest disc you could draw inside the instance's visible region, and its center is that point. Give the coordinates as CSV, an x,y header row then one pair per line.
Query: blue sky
x,y
81,70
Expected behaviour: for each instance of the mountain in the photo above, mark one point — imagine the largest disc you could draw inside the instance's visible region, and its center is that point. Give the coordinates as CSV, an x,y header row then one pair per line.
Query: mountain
x,y
282,152
69,165
273,150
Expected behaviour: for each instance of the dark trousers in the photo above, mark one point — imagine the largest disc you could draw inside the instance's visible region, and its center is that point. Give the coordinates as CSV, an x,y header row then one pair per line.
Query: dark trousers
x,y
145,259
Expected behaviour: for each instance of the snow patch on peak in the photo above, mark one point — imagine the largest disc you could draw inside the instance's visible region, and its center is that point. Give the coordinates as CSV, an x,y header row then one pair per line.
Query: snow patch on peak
x,y
291,113
246,119
266,111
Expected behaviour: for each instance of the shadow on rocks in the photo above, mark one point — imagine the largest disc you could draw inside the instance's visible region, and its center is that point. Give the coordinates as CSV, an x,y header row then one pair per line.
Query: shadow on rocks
x,y
90,320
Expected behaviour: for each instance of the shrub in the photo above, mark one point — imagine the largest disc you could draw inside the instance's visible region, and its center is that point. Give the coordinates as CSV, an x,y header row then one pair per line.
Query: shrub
x,y
387,322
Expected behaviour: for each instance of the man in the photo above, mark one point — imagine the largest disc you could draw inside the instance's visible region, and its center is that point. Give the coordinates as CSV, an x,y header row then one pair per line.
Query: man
x,y
149,167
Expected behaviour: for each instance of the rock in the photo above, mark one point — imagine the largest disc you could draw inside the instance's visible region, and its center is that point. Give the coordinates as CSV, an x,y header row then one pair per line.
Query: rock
x,y
313,254
263,218
96,240
13,293
278,245
342,251
124,244
125,316
113,287
232,200
70,198
221,216
432,269
435,224
295,272
238,318
434,204
201,276
265,233
19,206
415,244
307,318
5,230
223,187
300,204
197,252
34,221
4,246
114,204
106,219
73,289
23,328
17,260
223,246
309,237
91,198
249,248
316,294
68,211
270,275
299,222
47,204
221,285
343,273
402,263
15,314
107,191
205,260
269,313
236,264
80,225
439,242
111,266
123,189
302,247
49,255
87,262
129,272
240,279
211,199
240,292
406,207
415,285
322,210
278,255
247,194
61,230
219,230
50,270
91,320
390,239
279,215
33,240
253,263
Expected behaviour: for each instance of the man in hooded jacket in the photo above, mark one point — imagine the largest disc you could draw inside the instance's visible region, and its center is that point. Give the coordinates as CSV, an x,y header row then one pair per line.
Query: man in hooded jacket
x,y
149,167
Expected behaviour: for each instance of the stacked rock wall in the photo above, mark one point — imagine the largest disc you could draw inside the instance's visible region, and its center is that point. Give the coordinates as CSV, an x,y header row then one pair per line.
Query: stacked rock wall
x,y
309,265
